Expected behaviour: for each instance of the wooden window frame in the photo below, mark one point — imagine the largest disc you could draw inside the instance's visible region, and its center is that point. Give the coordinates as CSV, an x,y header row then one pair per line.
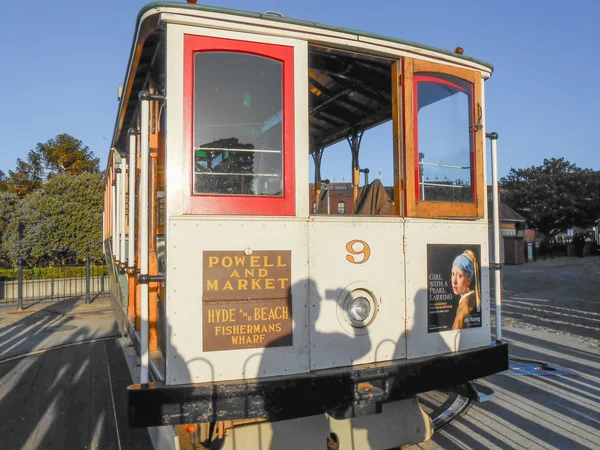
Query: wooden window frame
x,y
260,205
414,206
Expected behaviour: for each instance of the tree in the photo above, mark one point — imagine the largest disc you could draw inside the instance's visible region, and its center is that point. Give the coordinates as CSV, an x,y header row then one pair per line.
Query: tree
x,y
25,179
64,155
554,196
3,182
8,205
63,219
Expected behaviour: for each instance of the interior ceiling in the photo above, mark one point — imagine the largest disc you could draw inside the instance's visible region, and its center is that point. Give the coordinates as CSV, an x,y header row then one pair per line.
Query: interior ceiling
x,y
348,92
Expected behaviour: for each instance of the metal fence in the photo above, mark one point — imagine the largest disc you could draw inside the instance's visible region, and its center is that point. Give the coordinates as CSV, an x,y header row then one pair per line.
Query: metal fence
x,y
51,283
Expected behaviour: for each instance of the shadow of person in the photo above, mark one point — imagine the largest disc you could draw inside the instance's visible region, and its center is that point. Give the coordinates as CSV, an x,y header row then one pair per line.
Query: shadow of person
x,y
328,345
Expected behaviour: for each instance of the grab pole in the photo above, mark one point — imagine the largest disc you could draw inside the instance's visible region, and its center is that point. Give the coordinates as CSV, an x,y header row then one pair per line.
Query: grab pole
x,y
144,257
493,137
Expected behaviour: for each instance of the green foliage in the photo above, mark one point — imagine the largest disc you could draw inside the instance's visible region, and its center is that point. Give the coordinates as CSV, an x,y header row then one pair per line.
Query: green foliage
x,y
3,182
57,272
554,196
8,206
65,155
62,219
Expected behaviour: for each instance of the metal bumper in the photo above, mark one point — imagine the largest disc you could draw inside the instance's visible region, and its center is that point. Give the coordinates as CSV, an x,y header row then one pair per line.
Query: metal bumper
x,y
343,392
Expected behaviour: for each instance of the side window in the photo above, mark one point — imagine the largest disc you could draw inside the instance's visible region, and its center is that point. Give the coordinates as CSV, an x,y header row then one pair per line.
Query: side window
x,y
239,126
443,140
341,207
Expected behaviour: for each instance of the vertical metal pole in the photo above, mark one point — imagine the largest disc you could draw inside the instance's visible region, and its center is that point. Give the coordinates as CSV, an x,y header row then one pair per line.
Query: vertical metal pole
x,y
132,158
123,218
87,278
496,202
20,284
113,209
144,257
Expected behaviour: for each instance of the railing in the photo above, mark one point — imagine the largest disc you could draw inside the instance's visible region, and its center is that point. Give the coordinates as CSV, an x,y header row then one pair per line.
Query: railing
x,y
51,283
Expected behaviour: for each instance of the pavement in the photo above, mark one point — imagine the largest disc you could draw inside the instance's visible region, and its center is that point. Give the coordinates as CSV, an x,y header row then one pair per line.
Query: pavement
x,y
62,375
551,315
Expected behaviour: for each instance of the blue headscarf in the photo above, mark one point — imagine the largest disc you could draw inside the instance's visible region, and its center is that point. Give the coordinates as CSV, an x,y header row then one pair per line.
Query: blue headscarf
x,y
466,265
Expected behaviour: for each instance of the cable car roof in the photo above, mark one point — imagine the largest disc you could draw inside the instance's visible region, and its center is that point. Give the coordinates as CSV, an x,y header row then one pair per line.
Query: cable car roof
x,y
348,91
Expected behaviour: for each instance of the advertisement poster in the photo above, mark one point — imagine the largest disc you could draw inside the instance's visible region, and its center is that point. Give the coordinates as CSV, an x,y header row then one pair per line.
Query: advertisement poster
x,y
453,287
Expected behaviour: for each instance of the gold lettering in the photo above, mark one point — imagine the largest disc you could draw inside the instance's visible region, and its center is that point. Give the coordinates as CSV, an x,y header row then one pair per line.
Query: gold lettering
x,y
234,274
212,260
226,261
228,330
255,261
211,316
235,339
283,282
242,285
217,330
262,338
277,327
266,262
256,313
255,329
269,283
263,273
212,285
286,312
228,286
248,272
236,329
271,328
280,263
256,284
240,261
274,313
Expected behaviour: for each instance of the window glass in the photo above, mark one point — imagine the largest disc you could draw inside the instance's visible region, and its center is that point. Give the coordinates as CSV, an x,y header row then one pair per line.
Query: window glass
x,y
341,207
238,139
444,141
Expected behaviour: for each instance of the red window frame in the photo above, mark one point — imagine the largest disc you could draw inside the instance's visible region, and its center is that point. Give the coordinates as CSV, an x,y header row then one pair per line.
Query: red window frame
x,y
417,78
284,205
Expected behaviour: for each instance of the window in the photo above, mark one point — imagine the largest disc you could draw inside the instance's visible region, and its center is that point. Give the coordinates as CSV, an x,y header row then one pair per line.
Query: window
x,y
241,126
341,207
443,140
238,141
314,207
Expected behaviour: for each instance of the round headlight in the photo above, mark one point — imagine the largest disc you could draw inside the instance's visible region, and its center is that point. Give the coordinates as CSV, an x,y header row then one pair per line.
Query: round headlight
x,y
360,311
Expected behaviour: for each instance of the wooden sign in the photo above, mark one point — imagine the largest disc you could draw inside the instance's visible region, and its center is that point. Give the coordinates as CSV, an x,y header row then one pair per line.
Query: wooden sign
x,y
246,300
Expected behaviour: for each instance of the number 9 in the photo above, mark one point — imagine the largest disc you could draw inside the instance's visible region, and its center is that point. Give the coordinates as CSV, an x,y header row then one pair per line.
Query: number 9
x,y
365,251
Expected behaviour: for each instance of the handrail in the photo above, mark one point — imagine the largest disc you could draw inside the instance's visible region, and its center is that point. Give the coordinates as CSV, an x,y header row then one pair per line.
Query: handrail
x,y
493,137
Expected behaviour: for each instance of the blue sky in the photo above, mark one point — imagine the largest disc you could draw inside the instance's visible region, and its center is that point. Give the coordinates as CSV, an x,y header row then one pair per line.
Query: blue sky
x,y
63,61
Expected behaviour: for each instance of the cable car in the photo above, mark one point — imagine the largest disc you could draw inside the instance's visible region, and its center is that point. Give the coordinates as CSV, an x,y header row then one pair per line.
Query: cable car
x,y
276,296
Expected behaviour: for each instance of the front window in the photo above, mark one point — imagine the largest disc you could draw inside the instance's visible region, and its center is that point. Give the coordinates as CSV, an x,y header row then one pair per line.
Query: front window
x,y
238,135
239,122
444,141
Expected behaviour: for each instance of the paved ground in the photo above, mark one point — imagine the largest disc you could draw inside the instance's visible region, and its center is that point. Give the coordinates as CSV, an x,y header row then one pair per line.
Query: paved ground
x,y
70,397
551,313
